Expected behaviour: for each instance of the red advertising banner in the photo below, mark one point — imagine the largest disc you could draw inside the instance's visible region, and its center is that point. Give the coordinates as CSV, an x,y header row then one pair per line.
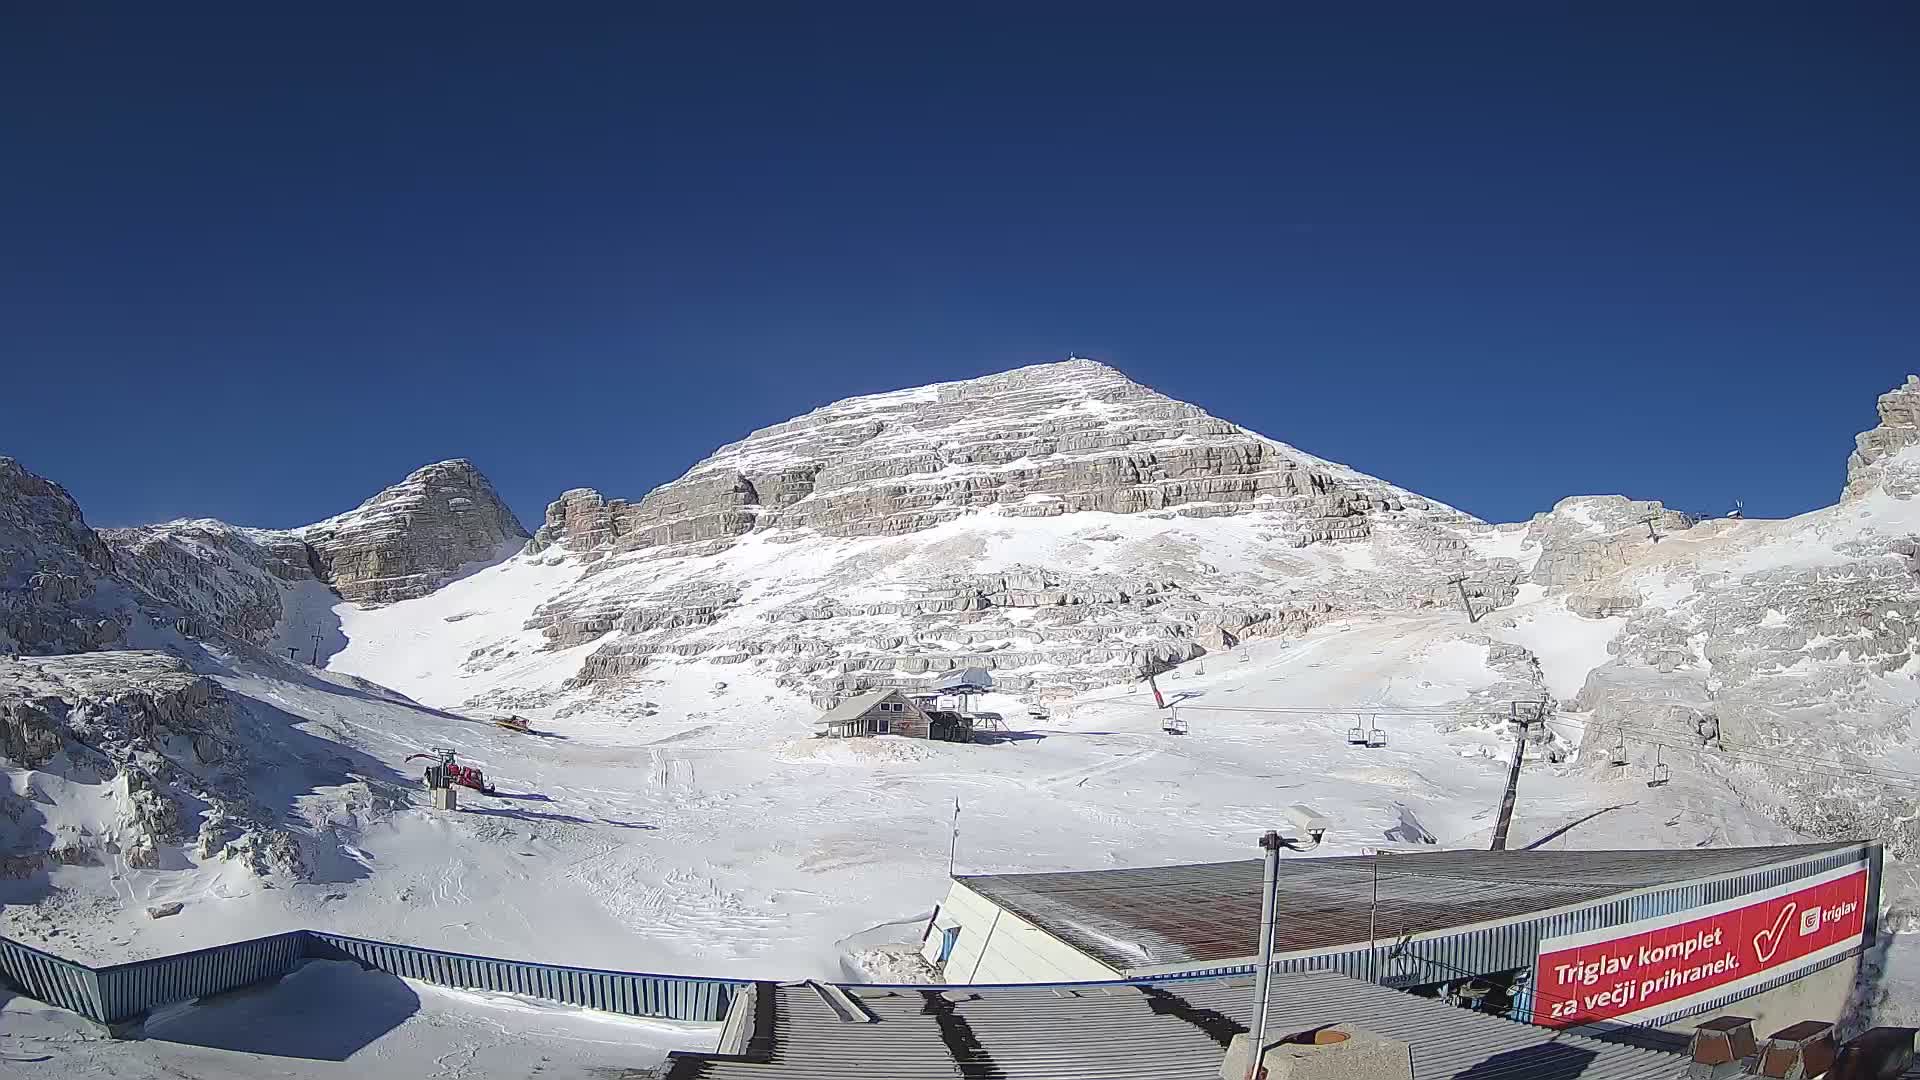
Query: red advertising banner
x,y
1606,974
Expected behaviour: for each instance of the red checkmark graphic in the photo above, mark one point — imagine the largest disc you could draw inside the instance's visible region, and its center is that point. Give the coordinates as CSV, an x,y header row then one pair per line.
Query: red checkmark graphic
x,y
1767,942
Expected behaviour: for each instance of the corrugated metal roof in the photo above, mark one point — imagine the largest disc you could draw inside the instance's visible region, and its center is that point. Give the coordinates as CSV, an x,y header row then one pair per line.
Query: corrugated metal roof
x,y
973,678
1146,917
1171,1030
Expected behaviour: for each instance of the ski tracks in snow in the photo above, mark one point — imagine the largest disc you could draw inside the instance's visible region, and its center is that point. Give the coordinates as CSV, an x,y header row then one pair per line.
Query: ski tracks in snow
x,y
1079,777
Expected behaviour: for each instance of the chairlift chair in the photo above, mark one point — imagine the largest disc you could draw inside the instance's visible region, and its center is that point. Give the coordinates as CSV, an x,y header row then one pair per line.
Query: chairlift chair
x,y
1357,736
1376,738
1175,723
1619,751
1661,774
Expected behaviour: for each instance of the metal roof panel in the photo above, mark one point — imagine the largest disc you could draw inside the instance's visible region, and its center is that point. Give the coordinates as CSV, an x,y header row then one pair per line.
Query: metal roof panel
x,y
1147,917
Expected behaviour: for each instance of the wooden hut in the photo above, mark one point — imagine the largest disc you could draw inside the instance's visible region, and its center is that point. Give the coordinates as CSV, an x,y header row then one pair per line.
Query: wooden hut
x,y
876,712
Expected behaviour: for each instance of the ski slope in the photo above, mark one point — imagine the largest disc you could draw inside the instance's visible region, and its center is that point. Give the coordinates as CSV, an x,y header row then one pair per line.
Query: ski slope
x,y
715,835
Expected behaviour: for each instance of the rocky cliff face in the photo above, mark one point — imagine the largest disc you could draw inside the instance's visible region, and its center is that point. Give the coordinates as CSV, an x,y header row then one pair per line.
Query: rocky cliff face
x,y
135,756
409,539
227,579
57,592
100,718
1587,537
1059,525
246,584
1778,654
1041,441
1875,460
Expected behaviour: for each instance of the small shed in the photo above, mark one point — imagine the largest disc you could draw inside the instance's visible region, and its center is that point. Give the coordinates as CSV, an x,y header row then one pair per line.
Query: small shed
x,y
876,712
949,726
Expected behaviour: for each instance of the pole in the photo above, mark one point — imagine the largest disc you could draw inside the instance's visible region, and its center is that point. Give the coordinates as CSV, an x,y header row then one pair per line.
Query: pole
x,y
1269,843
953,842
1461,584
316,648
1373,917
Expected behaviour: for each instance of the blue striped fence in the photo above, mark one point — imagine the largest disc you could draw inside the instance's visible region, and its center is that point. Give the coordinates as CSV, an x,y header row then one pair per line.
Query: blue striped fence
x,y
128,990
121,992
671,997
46,977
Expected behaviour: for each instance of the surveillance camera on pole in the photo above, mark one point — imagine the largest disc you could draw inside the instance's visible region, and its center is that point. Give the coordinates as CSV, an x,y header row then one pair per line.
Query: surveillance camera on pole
x,y
1305,827
1308,825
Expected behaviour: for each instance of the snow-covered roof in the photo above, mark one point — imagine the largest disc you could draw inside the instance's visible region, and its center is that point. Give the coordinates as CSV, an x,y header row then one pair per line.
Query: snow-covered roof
x,y
854,707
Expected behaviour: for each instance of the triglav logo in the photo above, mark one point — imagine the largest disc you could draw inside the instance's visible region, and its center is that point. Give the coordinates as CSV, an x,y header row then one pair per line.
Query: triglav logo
x,y
1767,942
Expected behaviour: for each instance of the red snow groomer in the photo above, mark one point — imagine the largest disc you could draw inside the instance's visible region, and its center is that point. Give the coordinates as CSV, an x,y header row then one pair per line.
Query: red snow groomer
x,y
450,772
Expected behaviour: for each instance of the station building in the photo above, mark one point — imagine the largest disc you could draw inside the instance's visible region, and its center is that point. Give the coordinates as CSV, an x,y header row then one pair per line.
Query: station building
x,y
1569,939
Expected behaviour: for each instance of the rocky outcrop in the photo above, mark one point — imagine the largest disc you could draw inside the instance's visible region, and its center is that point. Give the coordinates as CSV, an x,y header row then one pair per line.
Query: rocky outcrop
x,y
108,715
163,743
1777,655
226,578
1041,441
1587,537
852,547
414,536
57,591
240,583
1875,461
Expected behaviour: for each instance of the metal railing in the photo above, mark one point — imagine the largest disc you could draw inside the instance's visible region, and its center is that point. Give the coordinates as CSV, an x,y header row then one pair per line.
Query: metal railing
x,y
121,992
128,990
49,978
631,993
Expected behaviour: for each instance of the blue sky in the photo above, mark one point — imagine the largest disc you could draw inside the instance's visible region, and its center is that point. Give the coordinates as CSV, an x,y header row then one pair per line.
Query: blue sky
x,y
258,265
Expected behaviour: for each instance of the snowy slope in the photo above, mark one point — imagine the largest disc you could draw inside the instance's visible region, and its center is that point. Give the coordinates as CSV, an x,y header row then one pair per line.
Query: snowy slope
x,y
718,836
1059,525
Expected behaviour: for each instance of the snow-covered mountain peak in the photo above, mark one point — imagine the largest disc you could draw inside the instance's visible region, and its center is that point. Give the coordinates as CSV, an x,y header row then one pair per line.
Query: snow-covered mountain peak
x,y
275,588
1059,523
1041,441
410,538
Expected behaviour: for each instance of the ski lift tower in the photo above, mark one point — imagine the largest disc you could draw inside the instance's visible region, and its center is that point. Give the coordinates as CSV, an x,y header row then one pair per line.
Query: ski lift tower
x,y
965,684
1523,716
